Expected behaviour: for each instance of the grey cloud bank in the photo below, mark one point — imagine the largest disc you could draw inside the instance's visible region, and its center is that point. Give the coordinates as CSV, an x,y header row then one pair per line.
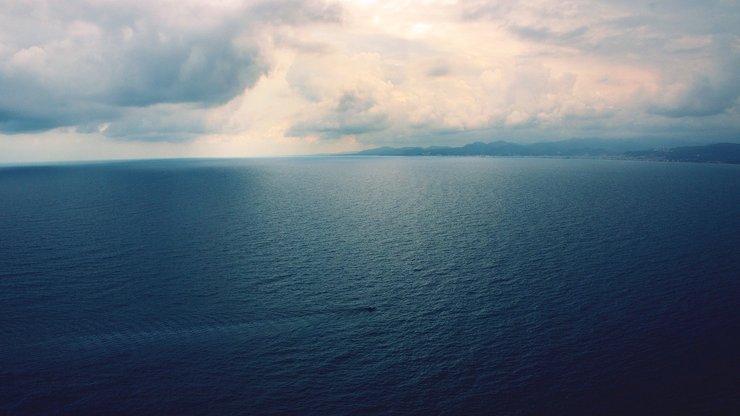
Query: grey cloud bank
x,y
81,63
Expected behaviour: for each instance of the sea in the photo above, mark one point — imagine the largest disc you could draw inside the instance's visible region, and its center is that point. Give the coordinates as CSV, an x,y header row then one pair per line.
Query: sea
x,y
370,286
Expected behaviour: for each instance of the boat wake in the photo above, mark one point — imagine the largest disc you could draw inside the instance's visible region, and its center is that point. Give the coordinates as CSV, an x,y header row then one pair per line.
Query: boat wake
x,y
95,337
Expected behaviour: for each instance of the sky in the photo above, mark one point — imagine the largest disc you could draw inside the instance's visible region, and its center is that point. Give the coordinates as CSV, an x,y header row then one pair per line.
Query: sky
x,y
121,79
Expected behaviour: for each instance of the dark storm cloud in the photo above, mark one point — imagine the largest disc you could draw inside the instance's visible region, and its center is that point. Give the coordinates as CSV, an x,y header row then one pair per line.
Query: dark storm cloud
x,y
30,104
191,68
82,63
162,122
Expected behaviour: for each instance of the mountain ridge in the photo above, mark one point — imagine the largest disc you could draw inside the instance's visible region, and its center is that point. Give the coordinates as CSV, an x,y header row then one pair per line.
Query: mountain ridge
x,y
619,149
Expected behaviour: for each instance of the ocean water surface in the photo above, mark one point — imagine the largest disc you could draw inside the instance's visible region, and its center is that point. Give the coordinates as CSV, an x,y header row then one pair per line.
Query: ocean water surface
x,y
499,286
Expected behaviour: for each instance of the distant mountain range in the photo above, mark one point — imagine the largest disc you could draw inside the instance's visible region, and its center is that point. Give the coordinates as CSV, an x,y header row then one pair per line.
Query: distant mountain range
x,y
719,152
620,149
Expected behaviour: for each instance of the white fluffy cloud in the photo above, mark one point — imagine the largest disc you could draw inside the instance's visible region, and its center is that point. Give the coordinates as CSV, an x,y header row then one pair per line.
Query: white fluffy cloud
x,y
303,76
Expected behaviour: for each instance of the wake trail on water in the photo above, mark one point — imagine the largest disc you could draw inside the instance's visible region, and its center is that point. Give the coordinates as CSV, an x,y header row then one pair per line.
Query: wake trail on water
x,y
111,336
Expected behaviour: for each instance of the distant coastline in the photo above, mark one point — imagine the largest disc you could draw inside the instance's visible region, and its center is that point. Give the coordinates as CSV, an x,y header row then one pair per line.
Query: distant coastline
x,y
608,149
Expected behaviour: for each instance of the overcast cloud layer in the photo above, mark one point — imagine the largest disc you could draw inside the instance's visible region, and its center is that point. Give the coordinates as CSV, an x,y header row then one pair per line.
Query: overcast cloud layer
x,y
116,79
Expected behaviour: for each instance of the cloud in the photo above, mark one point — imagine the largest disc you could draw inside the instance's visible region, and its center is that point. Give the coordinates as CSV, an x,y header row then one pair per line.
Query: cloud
x,y
544,34
534,72
708,92
439,69
296,12
80,62
280,77
700,98
353,115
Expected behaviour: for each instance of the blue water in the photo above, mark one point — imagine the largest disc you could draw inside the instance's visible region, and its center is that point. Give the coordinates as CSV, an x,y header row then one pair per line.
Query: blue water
x,y
501,286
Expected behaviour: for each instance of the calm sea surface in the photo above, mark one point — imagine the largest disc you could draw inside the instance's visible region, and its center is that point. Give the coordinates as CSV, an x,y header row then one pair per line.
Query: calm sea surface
x,y
500,286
